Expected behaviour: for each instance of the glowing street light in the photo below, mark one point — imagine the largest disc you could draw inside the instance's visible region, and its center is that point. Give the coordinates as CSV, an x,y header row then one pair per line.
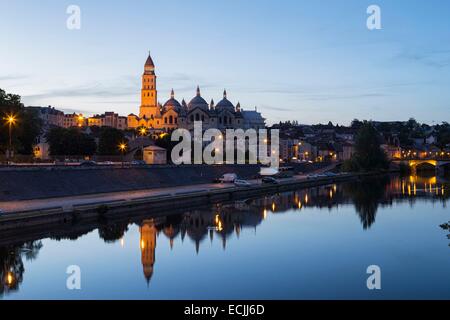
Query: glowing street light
x,y
143,132
11,120
122,148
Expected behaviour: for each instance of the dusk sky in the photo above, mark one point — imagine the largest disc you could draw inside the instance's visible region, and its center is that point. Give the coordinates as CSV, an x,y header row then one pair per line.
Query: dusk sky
x,y
311,61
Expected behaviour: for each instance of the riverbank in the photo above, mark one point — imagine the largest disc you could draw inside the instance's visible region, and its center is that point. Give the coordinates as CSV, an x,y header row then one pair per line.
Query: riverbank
x,y
64,181
64,210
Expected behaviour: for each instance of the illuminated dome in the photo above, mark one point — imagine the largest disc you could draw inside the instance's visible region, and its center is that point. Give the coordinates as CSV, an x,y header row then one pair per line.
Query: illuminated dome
x,y
172,103
225,103
198,102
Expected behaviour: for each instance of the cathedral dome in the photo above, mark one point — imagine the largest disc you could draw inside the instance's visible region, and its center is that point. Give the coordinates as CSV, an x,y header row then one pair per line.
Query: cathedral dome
x,y
198,102
225,104
172,103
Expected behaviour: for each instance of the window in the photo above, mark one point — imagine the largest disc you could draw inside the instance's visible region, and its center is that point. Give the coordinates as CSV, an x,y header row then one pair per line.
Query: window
x,y
170,119
197,117
192,118
165,120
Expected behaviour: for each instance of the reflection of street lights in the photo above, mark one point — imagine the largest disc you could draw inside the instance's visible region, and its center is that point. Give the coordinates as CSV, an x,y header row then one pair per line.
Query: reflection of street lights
x,y
10,279
122,148
11,121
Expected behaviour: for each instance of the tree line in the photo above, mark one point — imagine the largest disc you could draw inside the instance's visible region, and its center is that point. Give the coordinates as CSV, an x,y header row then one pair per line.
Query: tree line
x,y
75,142
26,129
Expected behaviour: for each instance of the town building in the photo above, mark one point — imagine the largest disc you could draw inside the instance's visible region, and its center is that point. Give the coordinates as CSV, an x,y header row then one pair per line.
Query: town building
x,y
108,119
74,120
49,116
155,155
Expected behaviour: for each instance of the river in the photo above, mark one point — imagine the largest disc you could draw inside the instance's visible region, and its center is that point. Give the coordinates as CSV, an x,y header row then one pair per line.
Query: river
x,y
313,243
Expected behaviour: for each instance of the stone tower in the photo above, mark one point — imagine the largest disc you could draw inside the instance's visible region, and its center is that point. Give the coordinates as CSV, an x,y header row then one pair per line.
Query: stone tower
x,y
149,95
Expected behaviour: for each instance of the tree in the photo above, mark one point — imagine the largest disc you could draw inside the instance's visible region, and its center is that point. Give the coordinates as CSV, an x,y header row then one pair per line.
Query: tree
x,y
26,130
443,135
165,141
368,153
70,142
356,124
109,140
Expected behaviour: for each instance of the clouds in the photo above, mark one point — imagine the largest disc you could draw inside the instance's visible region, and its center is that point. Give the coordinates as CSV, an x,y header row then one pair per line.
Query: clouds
x,y
121,87
431,58
11,77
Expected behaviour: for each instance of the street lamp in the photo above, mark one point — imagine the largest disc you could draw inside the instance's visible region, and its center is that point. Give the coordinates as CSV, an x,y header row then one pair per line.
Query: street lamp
x,y
142,133
11,121
122,148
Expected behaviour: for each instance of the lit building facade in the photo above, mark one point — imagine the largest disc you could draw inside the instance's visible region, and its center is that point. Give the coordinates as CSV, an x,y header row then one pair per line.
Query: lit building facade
x,y
173,114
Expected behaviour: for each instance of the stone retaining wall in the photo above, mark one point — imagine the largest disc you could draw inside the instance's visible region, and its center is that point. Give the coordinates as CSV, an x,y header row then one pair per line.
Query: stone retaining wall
x,y
49,182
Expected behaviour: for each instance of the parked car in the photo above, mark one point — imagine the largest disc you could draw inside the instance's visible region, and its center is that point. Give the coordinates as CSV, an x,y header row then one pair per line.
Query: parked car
x,y
269,180
138,163
330,174
242,183
228,178
88,164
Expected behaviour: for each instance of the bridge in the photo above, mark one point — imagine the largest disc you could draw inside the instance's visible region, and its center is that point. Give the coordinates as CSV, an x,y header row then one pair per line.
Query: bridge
x,y
417,164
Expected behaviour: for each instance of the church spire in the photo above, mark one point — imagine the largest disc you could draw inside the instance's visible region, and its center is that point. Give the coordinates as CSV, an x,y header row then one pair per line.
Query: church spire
x,y
149,62
224,93
198,91
172,94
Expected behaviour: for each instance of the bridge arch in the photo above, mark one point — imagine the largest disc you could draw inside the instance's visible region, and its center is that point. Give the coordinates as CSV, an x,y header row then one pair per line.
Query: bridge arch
x,y
438,165
423,165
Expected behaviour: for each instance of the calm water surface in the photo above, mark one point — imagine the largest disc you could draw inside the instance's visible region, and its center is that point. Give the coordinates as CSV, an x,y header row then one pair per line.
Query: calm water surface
x,y
309,244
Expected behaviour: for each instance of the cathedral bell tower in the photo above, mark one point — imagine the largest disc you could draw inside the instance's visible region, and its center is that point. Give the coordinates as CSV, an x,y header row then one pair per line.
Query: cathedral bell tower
x,y
149,95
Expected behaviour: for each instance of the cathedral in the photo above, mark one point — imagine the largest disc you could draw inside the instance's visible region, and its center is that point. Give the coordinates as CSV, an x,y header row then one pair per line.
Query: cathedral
x,y
173,114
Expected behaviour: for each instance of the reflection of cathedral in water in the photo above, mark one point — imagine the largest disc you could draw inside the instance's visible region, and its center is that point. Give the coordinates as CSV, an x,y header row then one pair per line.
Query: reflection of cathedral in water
x,y
221,221
148,233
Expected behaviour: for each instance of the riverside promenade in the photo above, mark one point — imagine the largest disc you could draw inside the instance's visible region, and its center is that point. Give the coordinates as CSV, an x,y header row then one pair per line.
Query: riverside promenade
x,y
41,213
18,214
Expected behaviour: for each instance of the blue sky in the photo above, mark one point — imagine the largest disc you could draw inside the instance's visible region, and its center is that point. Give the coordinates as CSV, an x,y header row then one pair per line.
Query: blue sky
x,y
311,61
